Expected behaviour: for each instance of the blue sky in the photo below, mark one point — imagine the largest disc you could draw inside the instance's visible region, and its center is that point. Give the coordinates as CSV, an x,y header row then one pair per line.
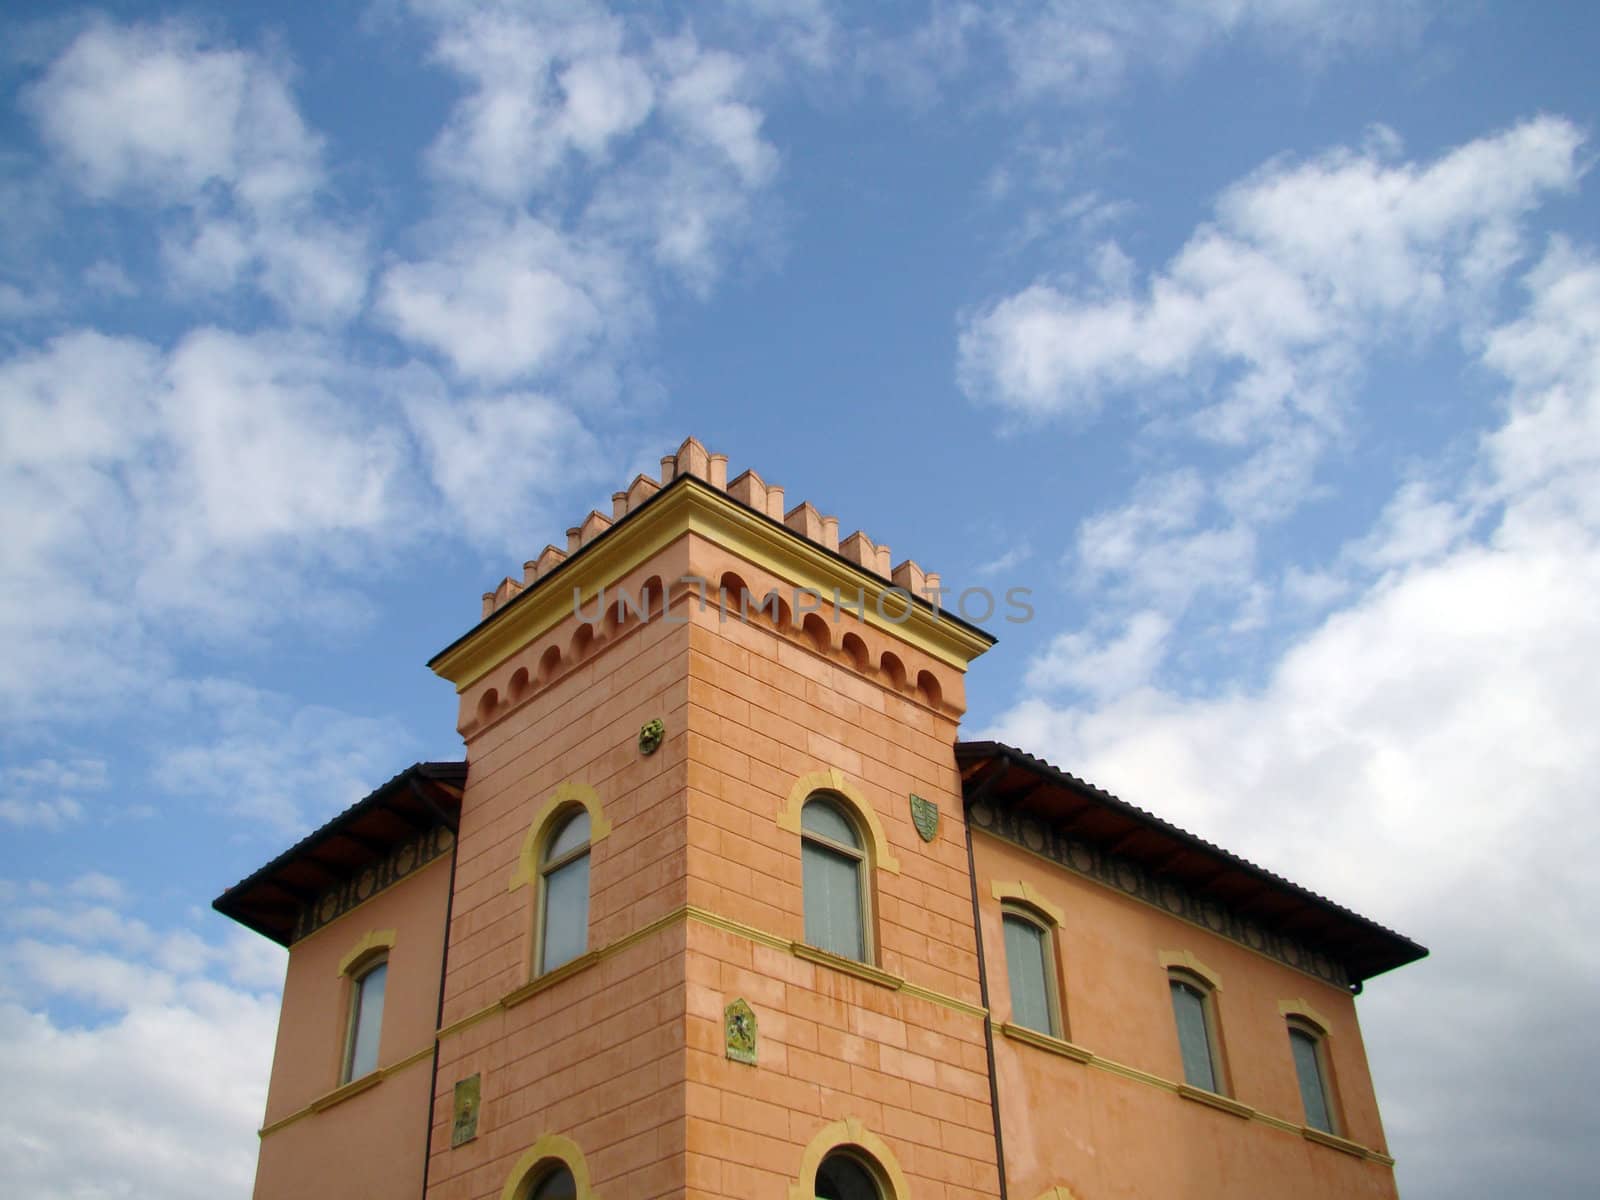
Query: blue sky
x,y
1259,338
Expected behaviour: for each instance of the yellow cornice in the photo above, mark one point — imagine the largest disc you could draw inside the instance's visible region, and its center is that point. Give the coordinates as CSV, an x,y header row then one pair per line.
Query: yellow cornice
x,y
691,506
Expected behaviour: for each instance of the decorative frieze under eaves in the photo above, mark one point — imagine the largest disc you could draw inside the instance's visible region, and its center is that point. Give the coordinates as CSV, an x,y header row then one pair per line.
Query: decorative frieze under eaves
x,y
404,860
1126,876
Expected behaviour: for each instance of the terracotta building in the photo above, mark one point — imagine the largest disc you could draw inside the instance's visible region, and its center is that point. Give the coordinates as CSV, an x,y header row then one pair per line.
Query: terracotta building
x,y
719,904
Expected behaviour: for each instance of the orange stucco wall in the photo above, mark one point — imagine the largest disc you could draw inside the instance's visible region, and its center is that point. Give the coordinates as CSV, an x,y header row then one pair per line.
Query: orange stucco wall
x,y
1106,1135
367,1144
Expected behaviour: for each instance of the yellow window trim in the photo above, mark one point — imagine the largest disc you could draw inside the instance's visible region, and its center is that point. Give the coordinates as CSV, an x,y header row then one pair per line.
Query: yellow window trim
x,y
550,1149
566,794
1025,893
1301,1007
833,780
372,939
1333,1140
852,1131
849,966
1184,960
1059,1192
1044,1041
1216,1100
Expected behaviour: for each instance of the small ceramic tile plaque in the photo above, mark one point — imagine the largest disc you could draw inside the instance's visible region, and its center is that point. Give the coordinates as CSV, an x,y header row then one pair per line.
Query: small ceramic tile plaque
x,y
465,1126
739,1021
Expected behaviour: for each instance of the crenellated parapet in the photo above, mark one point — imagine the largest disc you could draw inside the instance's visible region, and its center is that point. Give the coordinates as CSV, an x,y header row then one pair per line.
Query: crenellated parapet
x,y
696,547
749,489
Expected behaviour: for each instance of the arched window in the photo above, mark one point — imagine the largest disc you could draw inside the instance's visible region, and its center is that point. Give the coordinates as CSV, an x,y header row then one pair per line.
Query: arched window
x,y
1310,1064
556,1185
366,1020
1194,1007
844,1176
834,880
1031,968
564,893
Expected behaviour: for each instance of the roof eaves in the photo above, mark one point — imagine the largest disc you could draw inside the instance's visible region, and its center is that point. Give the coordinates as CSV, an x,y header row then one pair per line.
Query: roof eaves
x,y
981,749
452,773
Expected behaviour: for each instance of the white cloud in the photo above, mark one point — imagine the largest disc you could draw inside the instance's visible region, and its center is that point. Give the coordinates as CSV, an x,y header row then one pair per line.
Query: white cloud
x,y
590,162
1007,561
1303,261
703,97
1076,52
502,299
559,88
262,756
1110,666
161,114
94,885
269,443
545,85
41,812
144,486
17,304
1252,342
1552,356
315,271
228,486
497,459
107,278
150,109
1162,547
116,1104
70,415
79,774
1415,526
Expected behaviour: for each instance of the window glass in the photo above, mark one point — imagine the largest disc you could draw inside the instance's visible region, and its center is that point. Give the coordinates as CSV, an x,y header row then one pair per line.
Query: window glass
x,y
841,1177
574,833
1194,1038
832,889
1313,1088
1028,965
558,1185
825,820
566,913
365,1023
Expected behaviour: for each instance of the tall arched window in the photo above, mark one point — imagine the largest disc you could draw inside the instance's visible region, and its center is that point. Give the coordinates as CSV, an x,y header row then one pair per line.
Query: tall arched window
x,y
366,1020
564,893
557,1185
843,1176
834,880
1310,1065
1031,969
1194,1008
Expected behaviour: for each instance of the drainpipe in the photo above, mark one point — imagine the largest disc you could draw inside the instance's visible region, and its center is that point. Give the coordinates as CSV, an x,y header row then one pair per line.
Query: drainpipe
x,y
444,962
977,797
